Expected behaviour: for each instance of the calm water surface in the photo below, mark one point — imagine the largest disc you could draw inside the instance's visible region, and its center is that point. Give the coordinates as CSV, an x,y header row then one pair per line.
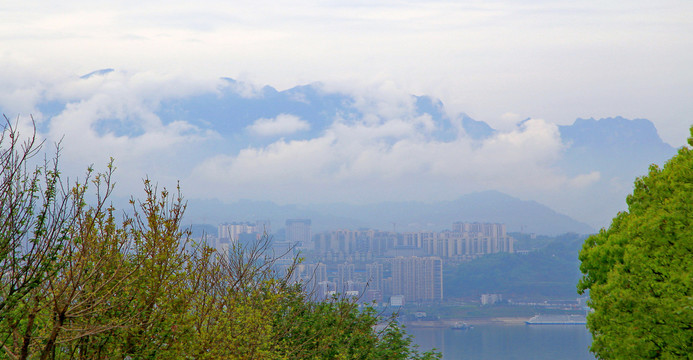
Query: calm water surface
x,y
508,342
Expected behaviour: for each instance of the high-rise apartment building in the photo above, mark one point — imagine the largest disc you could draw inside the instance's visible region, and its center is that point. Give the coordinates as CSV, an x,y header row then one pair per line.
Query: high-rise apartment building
x,y
345,274
466,241
314,273
263,227
476,228
374,273
418,278
298,232
231,231
311,276
469,240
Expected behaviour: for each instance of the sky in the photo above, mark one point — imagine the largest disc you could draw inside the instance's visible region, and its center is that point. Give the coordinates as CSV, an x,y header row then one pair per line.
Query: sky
x,y
497,61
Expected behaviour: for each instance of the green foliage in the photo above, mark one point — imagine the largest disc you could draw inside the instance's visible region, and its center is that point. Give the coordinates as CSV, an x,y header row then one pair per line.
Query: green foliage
x,y
338,329
79,283
548,272
639,272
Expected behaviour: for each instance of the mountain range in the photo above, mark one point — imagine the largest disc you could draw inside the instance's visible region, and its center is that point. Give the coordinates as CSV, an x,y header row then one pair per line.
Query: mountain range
x,y
606,154
488,206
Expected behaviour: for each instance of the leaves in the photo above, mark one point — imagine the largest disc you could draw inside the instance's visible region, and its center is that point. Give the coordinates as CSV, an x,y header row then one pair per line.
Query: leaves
x,y
640,271
77,282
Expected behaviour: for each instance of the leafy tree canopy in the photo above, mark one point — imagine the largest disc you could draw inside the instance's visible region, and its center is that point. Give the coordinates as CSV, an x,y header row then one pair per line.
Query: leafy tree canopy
x,y
79,282
639,272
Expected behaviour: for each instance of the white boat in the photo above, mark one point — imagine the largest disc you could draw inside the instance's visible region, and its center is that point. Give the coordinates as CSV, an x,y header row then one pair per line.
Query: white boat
x,y
461,326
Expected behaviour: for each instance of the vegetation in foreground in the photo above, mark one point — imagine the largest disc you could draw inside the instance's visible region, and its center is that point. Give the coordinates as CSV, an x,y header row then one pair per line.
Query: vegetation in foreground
x,y
639,272
80,281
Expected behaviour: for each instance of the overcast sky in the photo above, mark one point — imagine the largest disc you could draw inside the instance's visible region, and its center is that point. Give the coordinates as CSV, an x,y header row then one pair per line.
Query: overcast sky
x,y
497,61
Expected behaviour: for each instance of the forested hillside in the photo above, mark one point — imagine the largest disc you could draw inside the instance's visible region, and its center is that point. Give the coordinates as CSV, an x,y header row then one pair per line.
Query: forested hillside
x,y
550,269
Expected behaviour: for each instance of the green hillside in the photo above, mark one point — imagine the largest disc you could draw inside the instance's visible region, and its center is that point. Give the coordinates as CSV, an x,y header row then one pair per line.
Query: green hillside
x,y
549,269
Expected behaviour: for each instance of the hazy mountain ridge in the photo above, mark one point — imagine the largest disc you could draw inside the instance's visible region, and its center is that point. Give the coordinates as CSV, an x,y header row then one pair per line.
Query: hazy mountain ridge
x,y
237,105
593,144
487,206
607,153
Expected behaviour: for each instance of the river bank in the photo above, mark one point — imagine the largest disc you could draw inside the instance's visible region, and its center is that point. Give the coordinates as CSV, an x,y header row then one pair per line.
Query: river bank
x,y
448,323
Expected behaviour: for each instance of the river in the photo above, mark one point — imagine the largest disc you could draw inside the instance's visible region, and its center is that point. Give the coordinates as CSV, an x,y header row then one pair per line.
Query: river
x,y
507,342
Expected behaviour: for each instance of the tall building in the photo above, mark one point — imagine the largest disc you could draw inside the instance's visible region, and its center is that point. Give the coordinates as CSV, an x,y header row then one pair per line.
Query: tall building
x,y
263,226
374,272
485,229
232,234
324,290
469,240
298,232
418,278
315,273
345,275
466,241
231,231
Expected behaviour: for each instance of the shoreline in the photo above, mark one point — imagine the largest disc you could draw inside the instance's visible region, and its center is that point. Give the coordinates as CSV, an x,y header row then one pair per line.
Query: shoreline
x,y
469,321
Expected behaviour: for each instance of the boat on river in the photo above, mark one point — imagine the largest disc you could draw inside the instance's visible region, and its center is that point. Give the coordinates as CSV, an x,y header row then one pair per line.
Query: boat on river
x,y
460,326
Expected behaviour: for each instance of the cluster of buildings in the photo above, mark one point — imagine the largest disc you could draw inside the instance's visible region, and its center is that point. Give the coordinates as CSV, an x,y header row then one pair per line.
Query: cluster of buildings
x,y
372,265
465,241
411,279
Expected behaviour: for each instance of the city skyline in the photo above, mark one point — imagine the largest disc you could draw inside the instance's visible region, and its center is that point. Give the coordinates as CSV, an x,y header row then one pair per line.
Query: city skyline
x,y
371,265
298,179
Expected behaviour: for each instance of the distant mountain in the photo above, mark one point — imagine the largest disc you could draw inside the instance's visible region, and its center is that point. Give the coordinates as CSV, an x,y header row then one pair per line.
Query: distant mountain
x,y
477,130
596,144
604,156
618,150
216,212
237,105
487,206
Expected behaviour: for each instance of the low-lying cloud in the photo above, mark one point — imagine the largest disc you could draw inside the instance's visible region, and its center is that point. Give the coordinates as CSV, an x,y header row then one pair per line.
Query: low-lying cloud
x,y
389,153
283,124
388,161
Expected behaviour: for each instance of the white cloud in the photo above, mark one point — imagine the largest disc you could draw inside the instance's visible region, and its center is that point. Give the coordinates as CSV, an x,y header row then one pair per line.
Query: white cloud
x,y
390,153
584,180
553,59
283,124
507,121
245,89
139,141
389,161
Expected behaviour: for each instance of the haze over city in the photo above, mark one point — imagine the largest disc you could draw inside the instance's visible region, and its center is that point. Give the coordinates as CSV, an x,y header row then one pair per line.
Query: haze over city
x,y
347,168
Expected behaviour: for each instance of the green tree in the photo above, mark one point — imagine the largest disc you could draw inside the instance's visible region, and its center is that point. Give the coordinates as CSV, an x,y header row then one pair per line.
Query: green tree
x,y
339,329
77,283
639,272
36,215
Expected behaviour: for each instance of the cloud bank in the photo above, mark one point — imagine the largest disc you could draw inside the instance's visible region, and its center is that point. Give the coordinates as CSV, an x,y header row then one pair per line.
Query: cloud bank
x,y
555,60
283,124
386,150
389,160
